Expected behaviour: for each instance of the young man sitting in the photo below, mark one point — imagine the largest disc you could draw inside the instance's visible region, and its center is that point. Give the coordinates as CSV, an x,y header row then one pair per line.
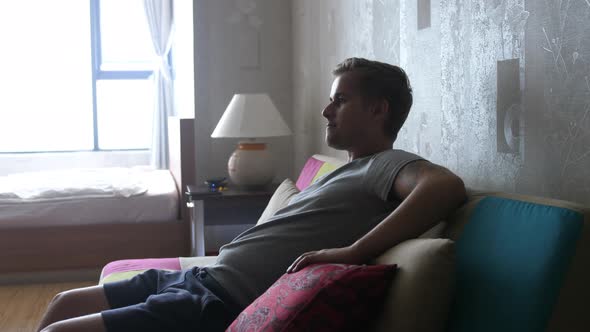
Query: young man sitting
x,y
380,198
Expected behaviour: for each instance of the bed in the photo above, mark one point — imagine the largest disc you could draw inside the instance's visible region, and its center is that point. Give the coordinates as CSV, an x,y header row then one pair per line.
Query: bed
x,y
90,230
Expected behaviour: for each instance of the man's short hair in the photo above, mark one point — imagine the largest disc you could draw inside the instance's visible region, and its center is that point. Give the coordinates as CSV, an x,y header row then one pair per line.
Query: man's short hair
x,y
381,80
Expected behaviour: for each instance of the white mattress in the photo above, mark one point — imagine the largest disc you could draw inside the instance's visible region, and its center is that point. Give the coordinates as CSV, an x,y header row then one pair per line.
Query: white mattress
x,y
157,201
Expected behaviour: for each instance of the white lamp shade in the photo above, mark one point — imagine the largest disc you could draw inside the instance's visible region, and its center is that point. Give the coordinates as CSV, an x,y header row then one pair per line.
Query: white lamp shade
x,y
250,116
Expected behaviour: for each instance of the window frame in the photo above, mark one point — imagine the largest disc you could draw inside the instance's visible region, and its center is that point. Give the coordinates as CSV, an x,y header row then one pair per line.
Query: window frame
x,y
99,74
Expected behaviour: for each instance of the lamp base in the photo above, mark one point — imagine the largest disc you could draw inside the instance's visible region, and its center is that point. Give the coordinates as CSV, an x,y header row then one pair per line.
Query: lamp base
x,y
251,165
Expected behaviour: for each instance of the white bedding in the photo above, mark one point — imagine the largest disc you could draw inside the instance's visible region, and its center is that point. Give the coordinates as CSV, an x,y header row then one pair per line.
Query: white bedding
x,y
73,183
89,196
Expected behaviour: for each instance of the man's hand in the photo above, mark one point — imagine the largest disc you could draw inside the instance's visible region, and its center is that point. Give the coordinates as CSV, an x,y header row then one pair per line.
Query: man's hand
x,y
346,255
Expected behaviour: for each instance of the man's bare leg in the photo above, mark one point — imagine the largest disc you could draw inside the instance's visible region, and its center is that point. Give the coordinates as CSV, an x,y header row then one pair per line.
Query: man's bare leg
x,y
75,303
89,323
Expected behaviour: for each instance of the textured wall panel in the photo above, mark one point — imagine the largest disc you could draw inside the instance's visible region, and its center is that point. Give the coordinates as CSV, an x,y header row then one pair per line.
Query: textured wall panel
x,y
453,68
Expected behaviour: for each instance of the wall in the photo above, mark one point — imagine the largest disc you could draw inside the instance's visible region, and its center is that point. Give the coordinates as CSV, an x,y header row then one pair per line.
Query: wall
x,y
501,87
324,33
241,46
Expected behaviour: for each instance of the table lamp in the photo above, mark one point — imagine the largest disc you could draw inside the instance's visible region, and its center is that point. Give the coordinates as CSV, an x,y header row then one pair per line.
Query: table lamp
x,y
251,116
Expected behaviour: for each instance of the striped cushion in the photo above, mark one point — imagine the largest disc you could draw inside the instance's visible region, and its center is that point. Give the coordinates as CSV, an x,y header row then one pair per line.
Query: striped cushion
x,y
127,268
316,167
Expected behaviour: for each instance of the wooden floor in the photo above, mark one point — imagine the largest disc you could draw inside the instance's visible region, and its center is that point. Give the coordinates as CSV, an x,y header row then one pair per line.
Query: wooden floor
x,y
22,306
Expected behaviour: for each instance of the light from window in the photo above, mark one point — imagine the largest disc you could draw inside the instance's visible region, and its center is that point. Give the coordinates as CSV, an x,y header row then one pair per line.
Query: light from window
x,y
45,76
126,43
47,73
54,97
124,113
124,90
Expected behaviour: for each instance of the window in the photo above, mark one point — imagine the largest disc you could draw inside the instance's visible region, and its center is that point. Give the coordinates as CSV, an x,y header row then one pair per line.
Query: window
x,y
74,76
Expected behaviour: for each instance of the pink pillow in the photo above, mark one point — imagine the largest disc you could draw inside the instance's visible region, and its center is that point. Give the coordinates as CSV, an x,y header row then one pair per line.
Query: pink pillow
x,y
321,297
311,168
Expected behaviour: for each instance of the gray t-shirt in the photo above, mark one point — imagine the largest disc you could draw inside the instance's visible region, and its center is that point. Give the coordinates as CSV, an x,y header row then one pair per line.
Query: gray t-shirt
x,y
334,212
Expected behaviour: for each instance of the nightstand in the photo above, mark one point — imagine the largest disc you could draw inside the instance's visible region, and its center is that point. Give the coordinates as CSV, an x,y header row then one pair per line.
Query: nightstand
x,y
229,207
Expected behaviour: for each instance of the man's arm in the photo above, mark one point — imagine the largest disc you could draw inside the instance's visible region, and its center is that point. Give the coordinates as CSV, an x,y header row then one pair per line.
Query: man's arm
x,y
429,193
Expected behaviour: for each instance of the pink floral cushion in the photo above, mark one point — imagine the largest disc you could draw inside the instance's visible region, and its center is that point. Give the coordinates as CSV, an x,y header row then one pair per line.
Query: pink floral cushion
x,y
321,297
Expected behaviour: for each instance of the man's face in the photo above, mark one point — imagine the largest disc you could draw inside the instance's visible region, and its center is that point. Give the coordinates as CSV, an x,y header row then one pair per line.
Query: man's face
x,y
347,114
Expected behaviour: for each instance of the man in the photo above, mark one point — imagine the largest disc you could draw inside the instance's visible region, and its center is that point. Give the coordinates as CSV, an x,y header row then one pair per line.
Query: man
x,y
380,198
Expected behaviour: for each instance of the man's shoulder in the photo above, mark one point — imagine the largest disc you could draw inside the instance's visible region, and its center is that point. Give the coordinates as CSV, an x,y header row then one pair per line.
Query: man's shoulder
x,y
398,155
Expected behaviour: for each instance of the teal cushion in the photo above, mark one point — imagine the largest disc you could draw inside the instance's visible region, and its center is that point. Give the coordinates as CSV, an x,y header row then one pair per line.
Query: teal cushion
x,y
511,260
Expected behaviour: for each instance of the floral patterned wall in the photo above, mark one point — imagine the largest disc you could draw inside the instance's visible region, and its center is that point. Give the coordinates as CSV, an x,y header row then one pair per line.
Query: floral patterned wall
x,y
501,87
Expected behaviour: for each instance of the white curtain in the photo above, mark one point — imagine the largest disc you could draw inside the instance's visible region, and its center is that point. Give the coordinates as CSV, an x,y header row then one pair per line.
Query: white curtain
x,y
161,22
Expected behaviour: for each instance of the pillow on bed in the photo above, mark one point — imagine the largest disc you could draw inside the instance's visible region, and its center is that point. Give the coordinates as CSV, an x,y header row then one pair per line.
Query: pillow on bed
x,y
279,200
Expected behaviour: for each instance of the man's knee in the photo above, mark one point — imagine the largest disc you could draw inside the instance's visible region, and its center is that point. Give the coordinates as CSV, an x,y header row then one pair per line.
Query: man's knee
x,y
60,327
81,299
55,327
49,329
61,298
71,301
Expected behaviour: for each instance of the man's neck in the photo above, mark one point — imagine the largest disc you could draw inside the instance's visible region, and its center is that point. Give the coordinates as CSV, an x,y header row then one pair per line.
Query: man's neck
x,y
374,149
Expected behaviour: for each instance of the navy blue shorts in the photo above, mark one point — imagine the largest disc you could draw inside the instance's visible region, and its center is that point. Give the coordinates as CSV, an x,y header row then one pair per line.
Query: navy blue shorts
x,y
157,300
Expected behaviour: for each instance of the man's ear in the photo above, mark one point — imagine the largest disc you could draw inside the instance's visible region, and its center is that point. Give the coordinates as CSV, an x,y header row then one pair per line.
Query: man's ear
x,y
380,108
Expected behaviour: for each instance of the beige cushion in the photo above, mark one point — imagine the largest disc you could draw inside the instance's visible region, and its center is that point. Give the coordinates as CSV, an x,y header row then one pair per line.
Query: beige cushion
x,y
421,293
279,200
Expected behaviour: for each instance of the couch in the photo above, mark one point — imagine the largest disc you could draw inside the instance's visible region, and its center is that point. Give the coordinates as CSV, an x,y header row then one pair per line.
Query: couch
x,y
501,262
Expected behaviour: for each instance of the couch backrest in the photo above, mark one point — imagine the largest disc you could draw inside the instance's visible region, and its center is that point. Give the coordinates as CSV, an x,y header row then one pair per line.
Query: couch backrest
x,y
523,264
